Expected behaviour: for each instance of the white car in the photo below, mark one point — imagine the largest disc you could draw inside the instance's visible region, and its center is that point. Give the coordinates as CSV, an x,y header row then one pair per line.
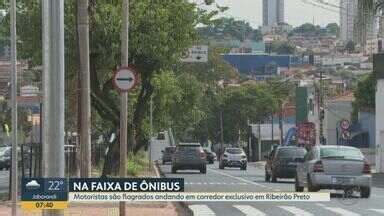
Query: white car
x,y
233,157
334,167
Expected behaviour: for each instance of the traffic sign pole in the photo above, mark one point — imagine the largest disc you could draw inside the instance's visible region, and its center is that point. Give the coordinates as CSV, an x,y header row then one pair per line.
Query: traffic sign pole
x,y
14,177
124,98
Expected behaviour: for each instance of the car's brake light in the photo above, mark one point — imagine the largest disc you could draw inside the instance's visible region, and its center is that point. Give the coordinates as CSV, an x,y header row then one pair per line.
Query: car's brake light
x,y
318,167
201,153
367,168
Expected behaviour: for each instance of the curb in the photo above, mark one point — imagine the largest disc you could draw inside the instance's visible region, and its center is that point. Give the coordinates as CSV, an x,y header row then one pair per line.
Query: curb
x,y
181,207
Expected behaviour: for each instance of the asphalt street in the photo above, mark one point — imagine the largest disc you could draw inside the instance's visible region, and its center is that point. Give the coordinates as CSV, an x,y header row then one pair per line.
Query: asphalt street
x,y
252,180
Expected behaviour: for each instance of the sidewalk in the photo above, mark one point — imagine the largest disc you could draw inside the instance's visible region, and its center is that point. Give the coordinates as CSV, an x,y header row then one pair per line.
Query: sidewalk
x,y
102,209
378,180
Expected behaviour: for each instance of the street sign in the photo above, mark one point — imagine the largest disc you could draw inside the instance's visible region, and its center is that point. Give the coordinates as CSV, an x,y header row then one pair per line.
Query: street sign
x,y
306,133
195,54
344,124
125,79
346,135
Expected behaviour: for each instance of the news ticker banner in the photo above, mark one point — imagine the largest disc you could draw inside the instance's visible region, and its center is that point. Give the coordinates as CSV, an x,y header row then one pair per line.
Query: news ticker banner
x,y
55,193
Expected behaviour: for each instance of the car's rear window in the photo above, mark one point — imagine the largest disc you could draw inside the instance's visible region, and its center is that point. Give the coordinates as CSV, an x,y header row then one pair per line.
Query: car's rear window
x,y
170,149
291,152
188,147
341,153
234,151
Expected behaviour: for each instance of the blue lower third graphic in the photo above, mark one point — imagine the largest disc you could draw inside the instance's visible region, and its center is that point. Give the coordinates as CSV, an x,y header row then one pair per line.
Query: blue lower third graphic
x,y
44,189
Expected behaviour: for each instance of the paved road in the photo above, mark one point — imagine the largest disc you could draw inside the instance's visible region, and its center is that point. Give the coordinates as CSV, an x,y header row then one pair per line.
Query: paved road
x,y
252,180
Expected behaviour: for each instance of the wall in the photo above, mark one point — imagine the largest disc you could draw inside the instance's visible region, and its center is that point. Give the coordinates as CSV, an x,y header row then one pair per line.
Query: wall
x,y
380,126
367,123
334,112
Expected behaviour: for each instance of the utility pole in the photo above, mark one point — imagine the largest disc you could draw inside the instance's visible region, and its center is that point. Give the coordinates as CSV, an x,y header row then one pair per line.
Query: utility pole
x,y
281,107
272,137
150,132
53,93
221,132
85,85
259,142
14,176
321,109
124,97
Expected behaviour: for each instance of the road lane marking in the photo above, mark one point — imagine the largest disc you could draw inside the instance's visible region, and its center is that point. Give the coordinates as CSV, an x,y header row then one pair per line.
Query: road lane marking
x,y
378,210
341,211
320,204
238,178
296,211
249,210
201,210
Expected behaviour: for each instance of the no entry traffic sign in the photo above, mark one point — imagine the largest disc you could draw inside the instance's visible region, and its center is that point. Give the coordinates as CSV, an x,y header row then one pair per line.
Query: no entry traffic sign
x,y
344,124
125,79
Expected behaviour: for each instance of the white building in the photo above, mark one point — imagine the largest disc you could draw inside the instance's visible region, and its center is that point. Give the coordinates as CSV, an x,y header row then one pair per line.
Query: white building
x,y
374,46
273,12
348,11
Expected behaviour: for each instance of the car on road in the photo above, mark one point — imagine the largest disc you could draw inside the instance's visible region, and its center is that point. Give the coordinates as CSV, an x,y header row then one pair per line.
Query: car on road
x,y
334,167
211,156
5,157
233,157
167,154
281,162
189,156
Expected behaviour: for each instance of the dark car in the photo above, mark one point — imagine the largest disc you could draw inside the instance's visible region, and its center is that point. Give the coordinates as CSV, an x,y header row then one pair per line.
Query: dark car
x,y
167,154
281,162
5,157
211,156
189,156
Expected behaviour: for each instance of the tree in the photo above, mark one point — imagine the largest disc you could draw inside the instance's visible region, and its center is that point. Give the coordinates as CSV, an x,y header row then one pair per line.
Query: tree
x,y
307,29
350,47
282,48
229,28
159,33
365,92
333,28
239,105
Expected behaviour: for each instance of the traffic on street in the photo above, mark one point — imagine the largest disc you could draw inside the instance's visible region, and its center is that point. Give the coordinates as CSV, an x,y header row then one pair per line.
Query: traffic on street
x,y
253,180
192,107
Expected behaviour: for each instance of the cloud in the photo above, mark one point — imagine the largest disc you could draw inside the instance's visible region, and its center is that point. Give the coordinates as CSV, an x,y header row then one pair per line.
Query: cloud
x,y
32,184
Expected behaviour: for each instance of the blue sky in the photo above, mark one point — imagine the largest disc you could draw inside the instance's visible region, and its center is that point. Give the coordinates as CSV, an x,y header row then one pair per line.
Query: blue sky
x,y
297,12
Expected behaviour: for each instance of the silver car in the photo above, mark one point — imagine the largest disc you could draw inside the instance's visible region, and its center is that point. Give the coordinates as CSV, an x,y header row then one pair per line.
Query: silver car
x,y
334,167
233,157
189,156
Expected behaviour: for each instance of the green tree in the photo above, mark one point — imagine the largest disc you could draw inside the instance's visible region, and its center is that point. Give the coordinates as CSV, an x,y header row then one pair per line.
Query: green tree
x,y
282,48
307,29
159,33
350,47
333,28
239,105
365,92
230,28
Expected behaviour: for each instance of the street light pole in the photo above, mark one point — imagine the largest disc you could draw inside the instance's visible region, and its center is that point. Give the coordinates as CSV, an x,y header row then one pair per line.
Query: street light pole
x,y
53,93
151,132
14,179
124,98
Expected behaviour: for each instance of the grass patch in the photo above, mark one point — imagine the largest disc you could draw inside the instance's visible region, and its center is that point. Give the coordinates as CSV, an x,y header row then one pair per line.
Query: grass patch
x,y
137,163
